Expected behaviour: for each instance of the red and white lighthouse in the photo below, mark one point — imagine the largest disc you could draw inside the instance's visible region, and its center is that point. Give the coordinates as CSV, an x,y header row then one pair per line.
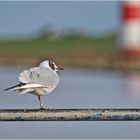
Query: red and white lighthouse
x,y
130,31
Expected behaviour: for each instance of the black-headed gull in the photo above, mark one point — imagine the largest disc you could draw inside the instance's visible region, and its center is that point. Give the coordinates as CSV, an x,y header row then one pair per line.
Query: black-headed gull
x,y
39,80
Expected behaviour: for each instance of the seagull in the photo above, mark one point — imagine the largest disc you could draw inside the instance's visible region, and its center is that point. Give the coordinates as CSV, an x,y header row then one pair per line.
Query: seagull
x,y
38,81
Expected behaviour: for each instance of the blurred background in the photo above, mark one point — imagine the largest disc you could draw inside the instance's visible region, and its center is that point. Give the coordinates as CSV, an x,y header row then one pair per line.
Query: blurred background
x,y
74,34
98,45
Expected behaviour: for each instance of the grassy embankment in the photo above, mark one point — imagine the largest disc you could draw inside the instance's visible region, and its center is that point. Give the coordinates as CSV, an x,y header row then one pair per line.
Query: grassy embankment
x,y
72,51
68,51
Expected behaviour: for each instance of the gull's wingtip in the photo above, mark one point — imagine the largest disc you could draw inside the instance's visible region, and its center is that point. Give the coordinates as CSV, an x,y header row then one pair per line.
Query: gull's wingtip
x,y
5,89
10,88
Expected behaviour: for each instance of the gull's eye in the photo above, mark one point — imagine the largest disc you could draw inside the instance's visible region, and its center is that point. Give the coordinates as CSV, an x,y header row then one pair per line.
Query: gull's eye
x,y
51,64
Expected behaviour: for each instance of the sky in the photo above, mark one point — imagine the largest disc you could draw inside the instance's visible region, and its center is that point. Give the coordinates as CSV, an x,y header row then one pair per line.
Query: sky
x,y
24,18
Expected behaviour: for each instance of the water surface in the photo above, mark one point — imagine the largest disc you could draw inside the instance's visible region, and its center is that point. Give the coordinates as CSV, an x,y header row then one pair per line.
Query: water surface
x,y
77,89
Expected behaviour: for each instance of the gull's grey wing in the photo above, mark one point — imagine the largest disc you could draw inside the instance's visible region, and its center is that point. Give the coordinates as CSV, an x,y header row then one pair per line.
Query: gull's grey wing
x,y
37,75
25,76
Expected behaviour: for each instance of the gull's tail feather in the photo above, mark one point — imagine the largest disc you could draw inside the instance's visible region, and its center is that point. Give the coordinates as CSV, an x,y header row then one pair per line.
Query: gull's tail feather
x,y
18,85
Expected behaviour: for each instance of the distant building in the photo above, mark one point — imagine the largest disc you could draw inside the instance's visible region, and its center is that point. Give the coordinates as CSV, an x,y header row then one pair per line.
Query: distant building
x,y
49,32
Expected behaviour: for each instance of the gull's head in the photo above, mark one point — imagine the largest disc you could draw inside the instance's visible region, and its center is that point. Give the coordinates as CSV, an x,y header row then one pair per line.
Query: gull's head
x,y
51,65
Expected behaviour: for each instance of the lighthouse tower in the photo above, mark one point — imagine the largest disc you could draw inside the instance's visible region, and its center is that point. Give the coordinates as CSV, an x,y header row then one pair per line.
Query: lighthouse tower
x,y
130,31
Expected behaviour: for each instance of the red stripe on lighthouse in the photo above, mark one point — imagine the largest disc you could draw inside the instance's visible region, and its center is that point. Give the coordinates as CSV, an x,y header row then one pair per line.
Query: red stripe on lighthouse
x,y
130,12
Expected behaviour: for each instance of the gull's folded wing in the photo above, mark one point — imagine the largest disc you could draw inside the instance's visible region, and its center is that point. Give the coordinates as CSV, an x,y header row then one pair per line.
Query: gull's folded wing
x,y
31,86
41,76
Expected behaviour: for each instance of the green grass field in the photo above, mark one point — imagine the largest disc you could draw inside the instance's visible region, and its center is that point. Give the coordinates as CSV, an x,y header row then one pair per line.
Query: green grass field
x,y
70,51
60,46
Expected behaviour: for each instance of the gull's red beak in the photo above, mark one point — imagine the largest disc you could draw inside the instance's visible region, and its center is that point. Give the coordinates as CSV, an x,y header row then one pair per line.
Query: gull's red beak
x,y
60,68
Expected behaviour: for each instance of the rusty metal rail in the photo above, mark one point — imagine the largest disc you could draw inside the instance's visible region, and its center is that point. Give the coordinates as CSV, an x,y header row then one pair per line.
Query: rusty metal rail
x,y
70,115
